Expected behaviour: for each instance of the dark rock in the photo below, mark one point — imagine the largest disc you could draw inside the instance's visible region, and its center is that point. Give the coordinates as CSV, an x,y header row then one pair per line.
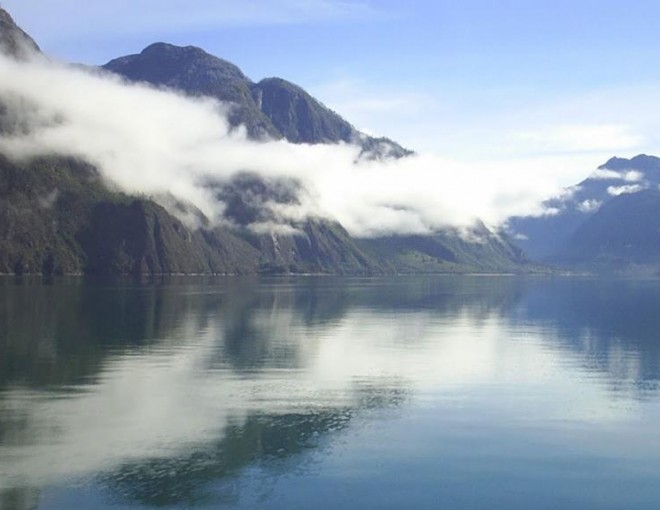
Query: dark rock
x,y
272,108
14,41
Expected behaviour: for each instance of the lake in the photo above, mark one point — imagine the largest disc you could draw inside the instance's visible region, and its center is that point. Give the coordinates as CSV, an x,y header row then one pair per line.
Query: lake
x,y
453,392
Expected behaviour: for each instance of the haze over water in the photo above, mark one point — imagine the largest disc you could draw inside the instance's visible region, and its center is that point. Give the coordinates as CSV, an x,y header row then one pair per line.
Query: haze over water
x,y
417,392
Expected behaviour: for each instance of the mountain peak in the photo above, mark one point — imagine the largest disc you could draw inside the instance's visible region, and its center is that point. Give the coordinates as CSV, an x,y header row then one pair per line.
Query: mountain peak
x,y
272,108
161,63
160,46
167,50
640,162
14,41
194,71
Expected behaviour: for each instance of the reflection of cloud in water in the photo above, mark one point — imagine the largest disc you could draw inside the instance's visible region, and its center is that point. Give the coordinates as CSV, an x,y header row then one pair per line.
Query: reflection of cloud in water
x,y
268,370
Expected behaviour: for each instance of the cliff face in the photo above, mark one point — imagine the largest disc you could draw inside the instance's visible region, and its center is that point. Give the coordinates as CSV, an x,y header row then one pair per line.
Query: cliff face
x,y
193,71
13,41
57,217
140,237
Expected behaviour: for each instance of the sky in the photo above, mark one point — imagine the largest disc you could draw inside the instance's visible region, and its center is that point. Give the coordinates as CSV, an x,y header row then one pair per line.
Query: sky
x,y
560,86
470,79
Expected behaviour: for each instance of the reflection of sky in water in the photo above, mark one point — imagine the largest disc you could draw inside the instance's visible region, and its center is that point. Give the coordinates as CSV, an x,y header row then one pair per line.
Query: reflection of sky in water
x,y
473,377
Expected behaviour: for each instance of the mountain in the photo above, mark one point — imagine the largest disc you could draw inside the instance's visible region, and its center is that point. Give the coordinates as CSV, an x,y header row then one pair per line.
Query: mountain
x,y
322,246
57,216
624,235
272,108
18,45
302,119
276,105
607,221
451,251
195,72
14,41
544,238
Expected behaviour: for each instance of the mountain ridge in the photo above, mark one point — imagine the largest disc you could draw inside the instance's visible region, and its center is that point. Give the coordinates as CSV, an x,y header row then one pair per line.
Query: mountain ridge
x,y
13,40
58,217
270,108
593,218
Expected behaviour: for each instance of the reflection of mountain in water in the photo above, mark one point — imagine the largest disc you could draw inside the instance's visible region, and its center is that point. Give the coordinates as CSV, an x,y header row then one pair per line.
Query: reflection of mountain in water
x,y
60,334
613,324
83,340
262,441
193,382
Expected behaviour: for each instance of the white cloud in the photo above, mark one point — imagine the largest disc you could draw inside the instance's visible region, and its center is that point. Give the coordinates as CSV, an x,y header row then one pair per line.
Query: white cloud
x,y
607,174
153,142
588,206
162,401
425,110
620,190
428,113
633,176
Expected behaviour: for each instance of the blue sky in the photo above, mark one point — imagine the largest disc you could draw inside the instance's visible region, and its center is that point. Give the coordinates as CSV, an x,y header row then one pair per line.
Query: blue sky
x,y
568,83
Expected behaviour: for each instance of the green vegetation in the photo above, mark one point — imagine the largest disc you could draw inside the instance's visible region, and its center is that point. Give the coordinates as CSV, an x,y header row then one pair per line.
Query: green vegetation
x,y
478,250
57,217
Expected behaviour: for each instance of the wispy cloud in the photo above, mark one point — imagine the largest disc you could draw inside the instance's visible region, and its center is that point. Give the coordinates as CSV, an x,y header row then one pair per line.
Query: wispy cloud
x,y
607,174
374,109
487,124
61,19
581,138
350,95
587,206
621,190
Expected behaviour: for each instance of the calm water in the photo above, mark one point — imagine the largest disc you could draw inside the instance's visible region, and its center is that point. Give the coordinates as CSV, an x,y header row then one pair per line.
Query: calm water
x,y
433,392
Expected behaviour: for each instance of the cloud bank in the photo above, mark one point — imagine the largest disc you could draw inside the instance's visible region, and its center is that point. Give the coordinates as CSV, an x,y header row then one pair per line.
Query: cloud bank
x,y
163,144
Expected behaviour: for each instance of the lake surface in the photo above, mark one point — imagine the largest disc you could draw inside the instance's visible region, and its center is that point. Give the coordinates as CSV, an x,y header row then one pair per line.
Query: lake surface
x,y
313,393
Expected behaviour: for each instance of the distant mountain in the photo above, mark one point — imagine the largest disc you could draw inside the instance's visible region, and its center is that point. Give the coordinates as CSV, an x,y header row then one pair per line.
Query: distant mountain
x,y
592,222
451,251
624,235
543,238
272,108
